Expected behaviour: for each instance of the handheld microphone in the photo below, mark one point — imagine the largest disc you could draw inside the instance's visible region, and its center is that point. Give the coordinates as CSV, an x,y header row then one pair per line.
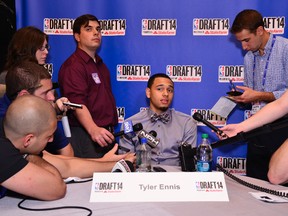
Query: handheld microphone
x,y
73,105
128,128
66,127
152,141
198,117
153,133
123,166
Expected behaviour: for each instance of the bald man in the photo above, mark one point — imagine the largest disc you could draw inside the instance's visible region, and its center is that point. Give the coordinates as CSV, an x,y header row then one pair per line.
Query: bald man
x,y
27,127
29,124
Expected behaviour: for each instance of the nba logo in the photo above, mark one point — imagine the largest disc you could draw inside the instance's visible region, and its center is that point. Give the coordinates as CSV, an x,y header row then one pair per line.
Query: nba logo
x,y
46,23
195,24
144,24
247,114
169,70
119,69
221,71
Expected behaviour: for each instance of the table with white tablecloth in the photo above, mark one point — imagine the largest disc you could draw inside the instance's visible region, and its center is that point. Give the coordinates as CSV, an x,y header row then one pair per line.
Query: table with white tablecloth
x,y
241,202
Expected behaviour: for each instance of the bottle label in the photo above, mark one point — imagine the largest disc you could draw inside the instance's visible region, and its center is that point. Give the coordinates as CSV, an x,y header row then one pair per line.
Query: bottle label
x,y
203,166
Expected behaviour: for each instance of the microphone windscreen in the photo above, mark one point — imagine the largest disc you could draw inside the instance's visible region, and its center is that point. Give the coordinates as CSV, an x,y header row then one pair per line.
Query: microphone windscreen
x,y
153,133
137,127
197,116
130,165
123,166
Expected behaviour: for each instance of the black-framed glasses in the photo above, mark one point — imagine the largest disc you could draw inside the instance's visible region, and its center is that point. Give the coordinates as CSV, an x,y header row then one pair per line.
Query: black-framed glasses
x,y
44,47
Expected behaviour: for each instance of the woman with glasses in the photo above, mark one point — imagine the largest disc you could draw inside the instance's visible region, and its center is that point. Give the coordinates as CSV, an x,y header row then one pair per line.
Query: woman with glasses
x,y
28,43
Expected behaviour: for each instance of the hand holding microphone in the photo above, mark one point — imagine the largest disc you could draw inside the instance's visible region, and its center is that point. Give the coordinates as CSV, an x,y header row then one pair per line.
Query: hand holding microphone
x,y
198,117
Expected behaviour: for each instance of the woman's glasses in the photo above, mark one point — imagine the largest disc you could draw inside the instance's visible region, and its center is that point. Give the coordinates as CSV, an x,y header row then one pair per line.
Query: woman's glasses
x,y
44,47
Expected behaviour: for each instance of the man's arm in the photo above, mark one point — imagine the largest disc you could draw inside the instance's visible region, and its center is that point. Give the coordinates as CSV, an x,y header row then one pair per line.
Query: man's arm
x,y
249,95
33,179
278,170
78,167
267,114
67,151
97,134
190,135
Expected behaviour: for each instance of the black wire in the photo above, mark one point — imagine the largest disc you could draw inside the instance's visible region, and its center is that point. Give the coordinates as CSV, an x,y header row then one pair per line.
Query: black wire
x,y
255,187
54,208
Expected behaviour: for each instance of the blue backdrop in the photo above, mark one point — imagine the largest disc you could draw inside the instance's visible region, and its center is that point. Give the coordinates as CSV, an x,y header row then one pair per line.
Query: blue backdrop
x,y
187,39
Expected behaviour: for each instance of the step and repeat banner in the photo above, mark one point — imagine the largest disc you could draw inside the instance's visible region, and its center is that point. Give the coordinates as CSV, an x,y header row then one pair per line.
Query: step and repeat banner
x,y
189,40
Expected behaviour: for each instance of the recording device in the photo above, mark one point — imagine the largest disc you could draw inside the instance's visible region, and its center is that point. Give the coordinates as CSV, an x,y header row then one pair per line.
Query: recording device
x,y
158,169
123,166
73,105
66,126
128,128
187,156
198,117
152,141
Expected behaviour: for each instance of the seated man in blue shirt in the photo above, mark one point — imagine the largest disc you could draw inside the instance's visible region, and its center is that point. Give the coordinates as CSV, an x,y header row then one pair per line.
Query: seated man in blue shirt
x,y
30,78
172,127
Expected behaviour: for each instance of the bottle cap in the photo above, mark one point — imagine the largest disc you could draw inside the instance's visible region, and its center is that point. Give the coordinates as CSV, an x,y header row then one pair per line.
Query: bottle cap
x,y
143,140
204,135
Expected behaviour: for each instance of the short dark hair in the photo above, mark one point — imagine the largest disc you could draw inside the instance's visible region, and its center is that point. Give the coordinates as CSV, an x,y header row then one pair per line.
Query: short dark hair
x,y
247,19
153,77
83,21
25,75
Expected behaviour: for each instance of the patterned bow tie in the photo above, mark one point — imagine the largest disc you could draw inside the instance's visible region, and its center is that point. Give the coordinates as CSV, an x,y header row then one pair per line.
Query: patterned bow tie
x,y
165,117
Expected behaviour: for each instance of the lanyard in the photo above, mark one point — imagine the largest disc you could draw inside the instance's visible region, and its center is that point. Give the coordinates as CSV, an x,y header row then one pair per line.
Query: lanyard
x,y
266,65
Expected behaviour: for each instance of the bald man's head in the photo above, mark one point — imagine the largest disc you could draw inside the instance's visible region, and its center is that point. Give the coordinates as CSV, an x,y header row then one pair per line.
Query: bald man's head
x,y
29,115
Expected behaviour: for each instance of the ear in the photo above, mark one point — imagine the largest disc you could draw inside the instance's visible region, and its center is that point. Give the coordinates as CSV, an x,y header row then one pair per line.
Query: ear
x,y
76,36
23,92
27,140
260,30
148,91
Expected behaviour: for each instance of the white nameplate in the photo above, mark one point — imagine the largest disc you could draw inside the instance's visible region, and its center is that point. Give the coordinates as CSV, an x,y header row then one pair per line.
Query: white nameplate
x,y
158,187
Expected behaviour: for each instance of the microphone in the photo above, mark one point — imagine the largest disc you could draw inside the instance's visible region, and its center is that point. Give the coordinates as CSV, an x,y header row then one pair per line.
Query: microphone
x,y
129,129
66,127
123,166
153,133
152,141
198,117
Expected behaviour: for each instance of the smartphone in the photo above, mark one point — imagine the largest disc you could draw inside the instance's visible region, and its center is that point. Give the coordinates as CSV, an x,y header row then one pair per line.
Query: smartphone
x,y
234,92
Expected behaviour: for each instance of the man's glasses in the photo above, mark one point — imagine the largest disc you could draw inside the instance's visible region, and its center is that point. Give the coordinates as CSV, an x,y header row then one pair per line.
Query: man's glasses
x,y
44,47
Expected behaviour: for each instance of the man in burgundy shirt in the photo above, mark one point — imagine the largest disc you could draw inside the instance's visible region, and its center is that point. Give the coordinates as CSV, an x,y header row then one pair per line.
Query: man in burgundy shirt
x,y
85,79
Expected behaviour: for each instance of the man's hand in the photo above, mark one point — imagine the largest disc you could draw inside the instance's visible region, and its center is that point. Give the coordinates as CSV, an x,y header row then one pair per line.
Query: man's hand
x,y
59,106
112,156
249,95
102,136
